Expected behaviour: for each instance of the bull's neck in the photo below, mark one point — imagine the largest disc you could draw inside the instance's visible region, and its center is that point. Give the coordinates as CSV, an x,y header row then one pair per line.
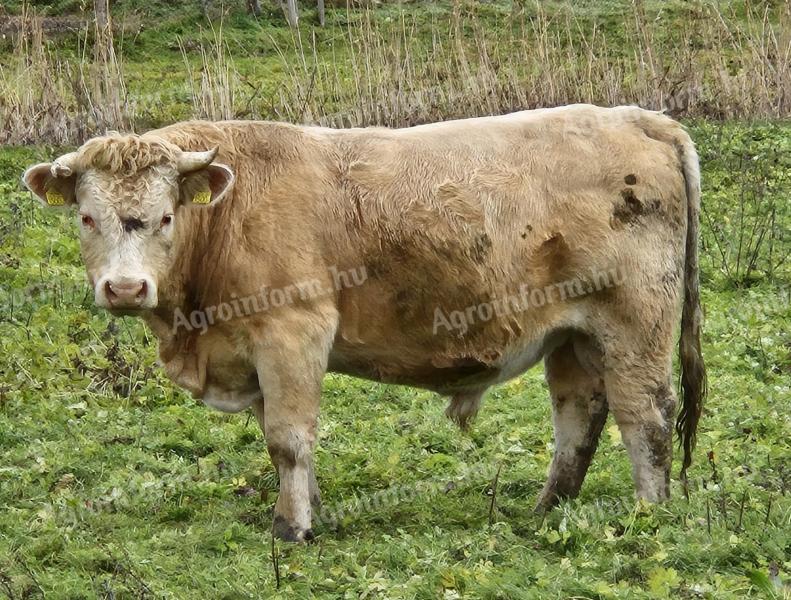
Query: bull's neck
x,y
198,265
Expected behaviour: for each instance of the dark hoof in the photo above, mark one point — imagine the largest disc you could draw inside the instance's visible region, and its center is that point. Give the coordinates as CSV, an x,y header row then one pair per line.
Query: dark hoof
x,y
288,533
546,502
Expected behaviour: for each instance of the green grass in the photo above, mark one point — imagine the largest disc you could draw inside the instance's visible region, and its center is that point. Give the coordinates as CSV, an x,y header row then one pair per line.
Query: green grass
x,y
114,483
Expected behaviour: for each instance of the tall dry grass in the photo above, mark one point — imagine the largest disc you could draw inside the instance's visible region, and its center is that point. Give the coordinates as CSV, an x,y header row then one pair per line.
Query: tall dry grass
x,y
46,98
214,89
32,88
396,73
717,65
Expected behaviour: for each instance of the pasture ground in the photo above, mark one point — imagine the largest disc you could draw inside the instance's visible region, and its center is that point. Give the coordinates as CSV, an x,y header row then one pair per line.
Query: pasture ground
x,y
116,484
112,480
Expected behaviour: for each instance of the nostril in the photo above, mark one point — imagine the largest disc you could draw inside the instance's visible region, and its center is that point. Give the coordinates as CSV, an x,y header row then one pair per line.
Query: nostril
x,y
126,293
109,292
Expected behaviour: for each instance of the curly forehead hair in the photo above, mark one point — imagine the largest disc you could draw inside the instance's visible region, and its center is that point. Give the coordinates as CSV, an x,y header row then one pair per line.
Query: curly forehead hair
x,y
124,154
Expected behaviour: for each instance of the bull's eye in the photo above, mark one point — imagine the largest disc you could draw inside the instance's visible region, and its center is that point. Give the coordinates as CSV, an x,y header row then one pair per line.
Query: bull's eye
x,y
166,220
87,221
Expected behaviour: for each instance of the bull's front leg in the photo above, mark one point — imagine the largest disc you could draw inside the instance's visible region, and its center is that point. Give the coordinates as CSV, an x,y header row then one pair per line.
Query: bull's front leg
x,y
291,359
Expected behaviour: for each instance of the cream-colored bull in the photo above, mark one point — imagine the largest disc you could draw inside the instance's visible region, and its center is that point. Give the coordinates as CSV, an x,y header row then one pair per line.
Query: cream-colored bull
x,y
449,225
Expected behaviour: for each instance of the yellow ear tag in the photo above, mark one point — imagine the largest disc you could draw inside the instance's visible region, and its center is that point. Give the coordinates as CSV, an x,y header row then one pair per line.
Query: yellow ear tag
x,y
55,198
202,197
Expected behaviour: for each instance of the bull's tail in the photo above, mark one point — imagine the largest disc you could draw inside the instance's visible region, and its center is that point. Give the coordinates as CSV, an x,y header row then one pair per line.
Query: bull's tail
x,y
693,370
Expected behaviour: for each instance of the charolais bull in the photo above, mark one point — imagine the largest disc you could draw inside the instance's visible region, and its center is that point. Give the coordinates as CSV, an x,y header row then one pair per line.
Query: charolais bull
x,y
451,256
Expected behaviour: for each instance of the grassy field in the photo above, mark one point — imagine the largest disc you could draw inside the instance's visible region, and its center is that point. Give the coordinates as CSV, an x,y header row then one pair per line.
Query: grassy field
x,y
116,484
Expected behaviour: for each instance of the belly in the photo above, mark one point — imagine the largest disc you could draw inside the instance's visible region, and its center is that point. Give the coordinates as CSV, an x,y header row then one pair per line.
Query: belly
x,y
230,401
439,373
518,359
232,383
445,377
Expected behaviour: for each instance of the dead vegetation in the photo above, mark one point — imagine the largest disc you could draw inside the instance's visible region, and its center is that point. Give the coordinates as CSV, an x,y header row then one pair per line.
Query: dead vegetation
x,y
47,98
716,66
375,70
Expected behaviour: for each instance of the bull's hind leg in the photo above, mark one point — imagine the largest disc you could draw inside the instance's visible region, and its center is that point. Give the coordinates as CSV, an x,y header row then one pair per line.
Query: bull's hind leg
x,y
579,411
637,376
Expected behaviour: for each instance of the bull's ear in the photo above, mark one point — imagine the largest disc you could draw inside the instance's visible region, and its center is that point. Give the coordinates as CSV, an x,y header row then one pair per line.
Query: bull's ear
x,y
207,185
54,187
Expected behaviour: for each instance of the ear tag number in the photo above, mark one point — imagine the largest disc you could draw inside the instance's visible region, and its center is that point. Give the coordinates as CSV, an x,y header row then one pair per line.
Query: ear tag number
x,y
202,197
55,198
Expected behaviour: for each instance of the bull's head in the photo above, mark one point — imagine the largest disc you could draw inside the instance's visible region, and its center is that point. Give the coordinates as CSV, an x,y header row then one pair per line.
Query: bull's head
x,y
129,191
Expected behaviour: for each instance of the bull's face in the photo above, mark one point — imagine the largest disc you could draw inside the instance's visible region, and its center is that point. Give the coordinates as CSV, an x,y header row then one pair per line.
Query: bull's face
x,y
128,214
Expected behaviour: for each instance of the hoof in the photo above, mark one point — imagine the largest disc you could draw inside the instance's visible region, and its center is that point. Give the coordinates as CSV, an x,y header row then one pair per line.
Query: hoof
x,y
542,509
547,500
289,533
